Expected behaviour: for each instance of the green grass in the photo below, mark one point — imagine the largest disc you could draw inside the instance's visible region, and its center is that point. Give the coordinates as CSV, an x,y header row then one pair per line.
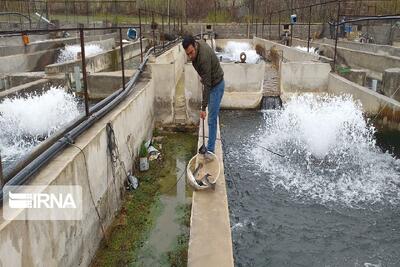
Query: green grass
x,y
140,209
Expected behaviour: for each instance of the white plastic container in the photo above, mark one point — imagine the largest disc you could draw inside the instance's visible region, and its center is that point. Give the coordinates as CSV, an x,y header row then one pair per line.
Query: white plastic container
x,y
143,164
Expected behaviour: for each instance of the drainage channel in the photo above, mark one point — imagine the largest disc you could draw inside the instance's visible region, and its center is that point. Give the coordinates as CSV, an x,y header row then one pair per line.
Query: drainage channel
x,y
152,227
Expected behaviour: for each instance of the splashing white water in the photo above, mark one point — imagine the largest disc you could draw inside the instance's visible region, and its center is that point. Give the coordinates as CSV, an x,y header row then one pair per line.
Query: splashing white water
x,y
69,52
233,49
26,121
330,153
313,50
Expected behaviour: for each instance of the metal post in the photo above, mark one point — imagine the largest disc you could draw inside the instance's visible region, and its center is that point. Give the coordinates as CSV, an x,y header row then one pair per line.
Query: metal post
x,y
140,35
154,35
162,30
121,48
82,37
87,13
252,19
2,182
66,11
186,12
309,30
279,26
337,35
262,29
47,10
29,15
291,34
270,26
215,12
256,26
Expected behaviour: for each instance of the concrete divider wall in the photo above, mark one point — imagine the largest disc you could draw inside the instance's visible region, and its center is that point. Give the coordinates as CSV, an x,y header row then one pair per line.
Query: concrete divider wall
x,y
300,77
49,44
243,87
376,64
223,42
373,48
166,72
244,30
99,62
27,62
372,102
74,243
289,53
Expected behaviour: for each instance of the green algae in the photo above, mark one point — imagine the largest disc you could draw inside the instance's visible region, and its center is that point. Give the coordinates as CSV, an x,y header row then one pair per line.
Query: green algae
x,y
138,224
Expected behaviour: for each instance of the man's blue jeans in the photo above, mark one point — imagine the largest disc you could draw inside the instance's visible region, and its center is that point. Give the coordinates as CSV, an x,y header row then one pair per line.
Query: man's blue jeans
x,y
214,104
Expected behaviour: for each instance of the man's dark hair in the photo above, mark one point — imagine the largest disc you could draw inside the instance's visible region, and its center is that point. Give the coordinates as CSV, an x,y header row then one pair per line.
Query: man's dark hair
x,y
188,40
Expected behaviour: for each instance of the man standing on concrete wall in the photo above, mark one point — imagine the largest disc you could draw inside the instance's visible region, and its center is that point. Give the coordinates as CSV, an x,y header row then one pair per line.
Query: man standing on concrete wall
x,y
207,66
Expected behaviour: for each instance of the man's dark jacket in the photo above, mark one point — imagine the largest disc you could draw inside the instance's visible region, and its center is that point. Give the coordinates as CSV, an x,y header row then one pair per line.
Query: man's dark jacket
x,y
207,66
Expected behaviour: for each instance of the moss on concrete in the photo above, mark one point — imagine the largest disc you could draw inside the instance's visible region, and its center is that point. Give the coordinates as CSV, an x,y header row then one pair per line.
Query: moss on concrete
x,y
141,207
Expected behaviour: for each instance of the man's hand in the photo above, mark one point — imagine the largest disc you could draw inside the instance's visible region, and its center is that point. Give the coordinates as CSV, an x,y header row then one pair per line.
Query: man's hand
x,y
203,114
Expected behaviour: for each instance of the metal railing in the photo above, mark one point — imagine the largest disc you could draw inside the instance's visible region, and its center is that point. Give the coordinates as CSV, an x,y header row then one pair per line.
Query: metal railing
x,y
21,171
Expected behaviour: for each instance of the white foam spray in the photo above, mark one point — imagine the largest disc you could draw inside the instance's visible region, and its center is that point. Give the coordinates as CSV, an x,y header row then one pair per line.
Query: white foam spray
x,y
69,52
330,153
313,50
233,49
26,121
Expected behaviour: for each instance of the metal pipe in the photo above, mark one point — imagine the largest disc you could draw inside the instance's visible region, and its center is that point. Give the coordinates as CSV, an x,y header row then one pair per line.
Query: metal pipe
x,y
140,36
336,37
309,30
121,48
64,29
82,38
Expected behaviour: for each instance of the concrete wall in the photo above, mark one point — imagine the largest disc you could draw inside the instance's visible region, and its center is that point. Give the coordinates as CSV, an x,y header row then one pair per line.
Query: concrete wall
x,y
74,243
376,64
39,85
243,87
99,62
103,84
373,48
166,71
372,102
27,62
37,61
18,48
289,54
300,77
244,30
222,42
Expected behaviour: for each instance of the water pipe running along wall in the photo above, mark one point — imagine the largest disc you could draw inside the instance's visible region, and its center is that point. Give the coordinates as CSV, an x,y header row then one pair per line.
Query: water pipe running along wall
x,y
81,125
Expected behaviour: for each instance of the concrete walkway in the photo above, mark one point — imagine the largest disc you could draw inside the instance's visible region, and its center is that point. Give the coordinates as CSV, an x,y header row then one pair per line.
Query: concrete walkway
x,y
210,242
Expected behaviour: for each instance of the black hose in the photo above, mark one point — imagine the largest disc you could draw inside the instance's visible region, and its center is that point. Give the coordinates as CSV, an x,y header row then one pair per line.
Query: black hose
x,y
99,111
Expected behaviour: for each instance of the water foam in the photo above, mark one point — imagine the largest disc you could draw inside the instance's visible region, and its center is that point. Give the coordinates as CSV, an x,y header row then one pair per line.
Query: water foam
x,y
26,121
69,52
313,50
330,152
233,49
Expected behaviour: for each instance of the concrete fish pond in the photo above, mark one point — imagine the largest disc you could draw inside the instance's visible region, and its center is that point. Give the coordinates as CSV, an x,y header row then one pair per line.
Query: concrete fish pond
x,y
311,186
